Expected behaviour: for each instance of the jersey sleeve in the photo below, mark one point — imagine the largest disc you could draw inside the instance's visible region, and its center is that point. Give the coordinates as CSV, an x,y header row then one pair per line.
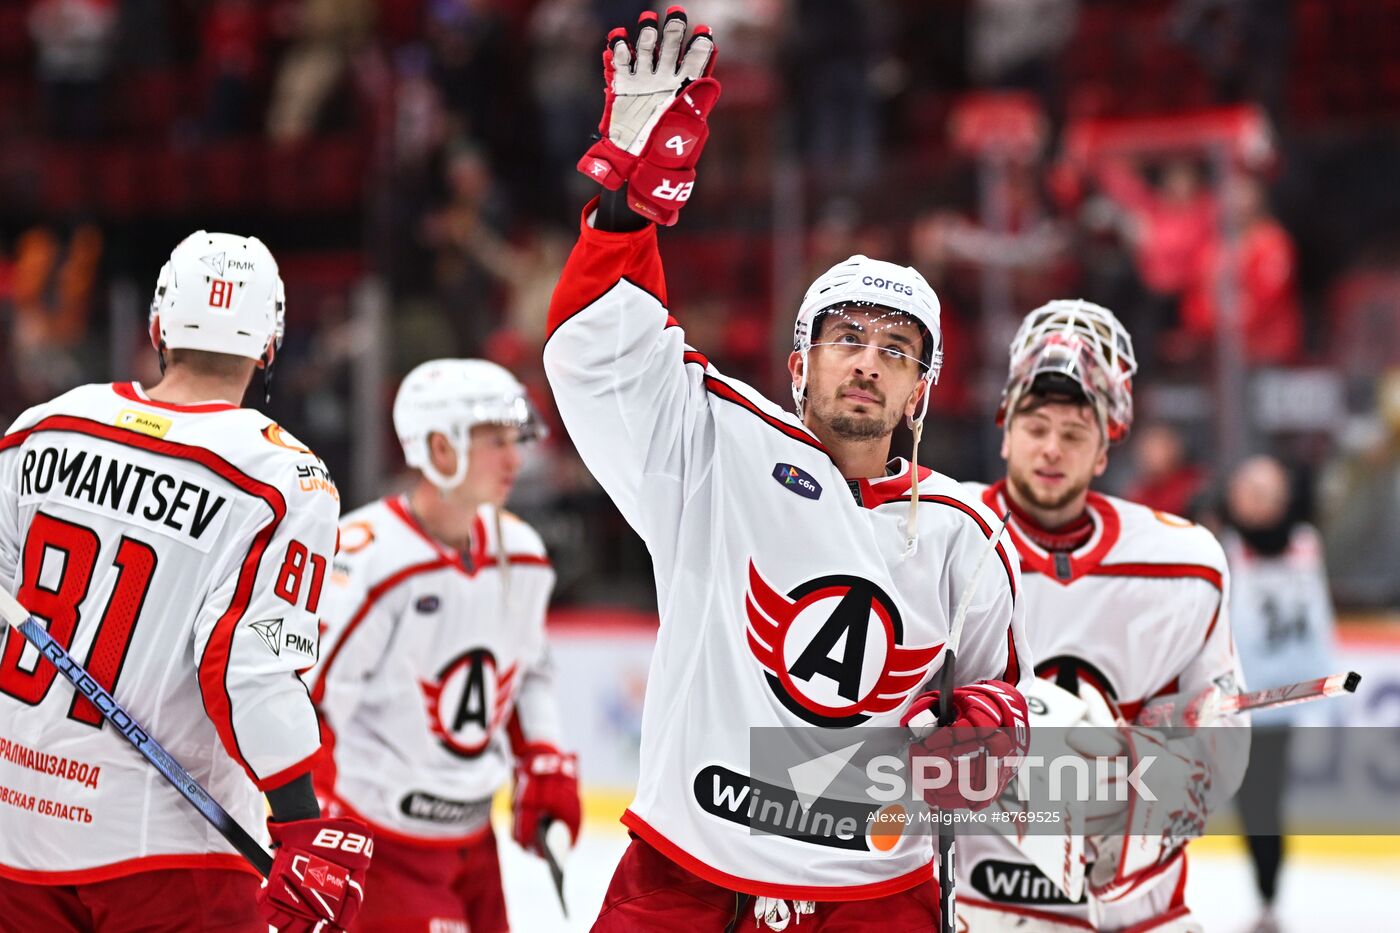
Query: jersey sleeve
x,y
258,629
631,394
9,499
536,715
357,630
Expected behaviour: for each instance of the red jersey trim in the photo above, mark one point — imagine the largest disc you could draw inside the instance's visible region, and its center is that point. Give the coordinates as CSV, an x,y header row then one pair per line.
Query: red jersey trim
x,y
599,261
986,530
724,390
1162,571
1034,560
204,861
1027,912
853,892
1013,663
422,842
371,597
479,558
289,774
133,393
213,663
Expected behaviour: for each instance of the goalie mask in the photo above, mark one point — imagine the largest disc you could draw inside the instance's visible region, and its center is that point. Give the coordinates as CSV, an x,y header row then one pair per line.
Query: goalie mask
x,y
450,397
1077,349
889,294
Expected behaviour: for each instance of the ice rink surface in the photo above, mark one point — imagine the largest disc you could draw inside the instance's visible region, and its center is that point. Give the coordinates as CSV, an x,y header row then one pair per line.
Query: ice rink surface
x,y
1326,888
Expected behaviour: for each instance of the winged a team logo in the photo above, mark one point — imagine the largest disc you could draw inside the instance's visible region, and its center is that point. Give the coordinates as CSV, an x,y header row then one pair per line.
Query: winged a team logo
x,y
831,648
468,701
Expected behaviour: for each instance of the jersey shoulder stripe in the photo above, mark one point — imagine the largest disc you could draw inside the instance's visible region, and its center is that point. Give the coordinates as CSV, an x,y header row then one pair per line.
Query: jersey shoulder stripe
x,y
371,598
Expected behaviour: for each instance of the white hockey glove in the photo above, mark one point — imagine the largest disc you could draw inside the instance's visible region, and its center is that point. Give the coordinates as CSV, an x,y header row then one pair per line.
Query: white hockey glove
x,y
657,95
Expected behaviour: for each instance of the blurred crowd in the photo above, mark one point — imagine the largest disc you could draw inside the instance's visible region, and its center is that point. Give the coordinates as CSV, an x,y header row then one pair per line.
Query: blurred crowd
x,y
430,144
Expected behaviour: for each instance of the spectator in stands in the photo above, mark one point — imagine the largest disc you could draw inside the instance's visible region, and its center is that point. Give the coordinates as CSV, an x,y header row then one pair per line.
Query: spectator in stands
x,y
1167,226
1262,266
326,35
1017,44
834,56
1361,505
564,79
470,45
231,43
1166,479
75,41
472,260
1284,630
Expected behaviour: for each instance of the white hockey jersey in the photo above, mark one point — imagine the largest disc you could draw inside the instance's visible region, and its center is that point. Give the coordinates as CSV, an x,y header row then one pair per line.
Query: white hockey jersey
x,y
783,602
1282,614
178,552
435,666
1139,610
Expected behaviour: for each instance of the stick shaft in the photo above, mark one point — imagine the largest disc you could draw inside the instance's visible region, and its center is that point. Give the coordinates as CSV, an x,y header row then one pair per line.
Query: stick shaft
x,y
1179,709
947,714
139,738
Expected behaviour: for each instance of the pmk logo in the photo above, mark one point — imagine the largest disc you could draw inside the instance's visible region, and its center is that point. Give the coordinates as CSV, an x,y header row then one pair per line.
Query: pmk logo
x,y
798,481
831,648
468,701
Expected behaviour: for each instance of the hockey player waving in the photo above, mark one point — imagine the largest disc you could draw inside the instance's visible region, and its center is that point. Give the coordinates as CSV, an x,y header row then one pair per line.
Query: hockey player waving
x,y
804,578
176,544
1122,604
434,682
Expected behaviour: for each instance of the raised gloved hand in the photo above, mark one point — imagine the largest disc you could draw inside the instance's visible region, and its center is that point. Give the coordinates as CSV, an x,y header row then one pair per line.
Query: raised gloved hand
x,y
546,788
657,95
981,750
318,873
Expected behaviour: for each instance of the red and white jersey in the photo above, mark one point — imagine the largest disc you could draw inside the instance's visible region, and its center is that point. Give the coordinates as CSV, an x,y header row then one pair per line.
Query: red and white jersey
x,y
435,665
783,601
178,553
1140,610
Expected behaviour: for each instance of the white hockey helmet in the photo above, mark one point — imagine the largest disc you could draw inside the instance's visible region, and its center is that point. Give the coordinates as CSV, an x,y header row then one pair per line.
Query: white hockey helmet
x,y
450,397
1078,348
862,282
219,292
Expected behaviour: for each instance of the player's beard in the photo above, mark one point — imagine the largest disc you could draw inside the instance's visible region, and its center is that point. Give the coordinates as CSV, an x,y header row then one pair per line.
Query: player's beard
x,y
857,427
1025,488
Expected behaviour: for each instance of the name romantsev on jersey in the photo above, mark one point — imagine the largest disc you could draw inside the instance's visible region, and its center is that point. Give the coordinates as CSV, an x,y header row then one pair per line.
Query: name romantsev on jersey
x,y
123,487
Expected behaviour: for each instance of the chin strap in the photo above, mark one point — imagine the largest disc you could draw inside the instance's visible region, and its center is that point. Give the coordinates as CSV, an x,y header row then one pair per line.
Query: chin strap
x,y
911,540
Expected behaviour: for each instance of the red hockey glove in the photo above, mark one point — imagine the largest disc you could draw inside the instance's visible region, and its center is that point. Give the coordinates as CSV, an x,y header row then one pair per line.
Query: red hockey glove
x,y
980,751
655,101
318,873
546,788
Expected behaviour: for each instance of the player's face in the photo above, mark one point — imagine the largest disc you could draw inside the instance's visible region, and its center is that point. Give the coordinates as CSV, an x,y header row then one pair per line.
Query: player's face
x,y
1053,451
863,373
493,462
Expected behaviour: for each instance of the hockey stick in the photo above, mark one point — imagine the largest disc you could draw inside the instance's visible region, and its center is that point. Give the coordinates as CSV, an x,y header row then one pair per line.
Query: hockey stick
x,y
15,616
1179,709
553,850
947,714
